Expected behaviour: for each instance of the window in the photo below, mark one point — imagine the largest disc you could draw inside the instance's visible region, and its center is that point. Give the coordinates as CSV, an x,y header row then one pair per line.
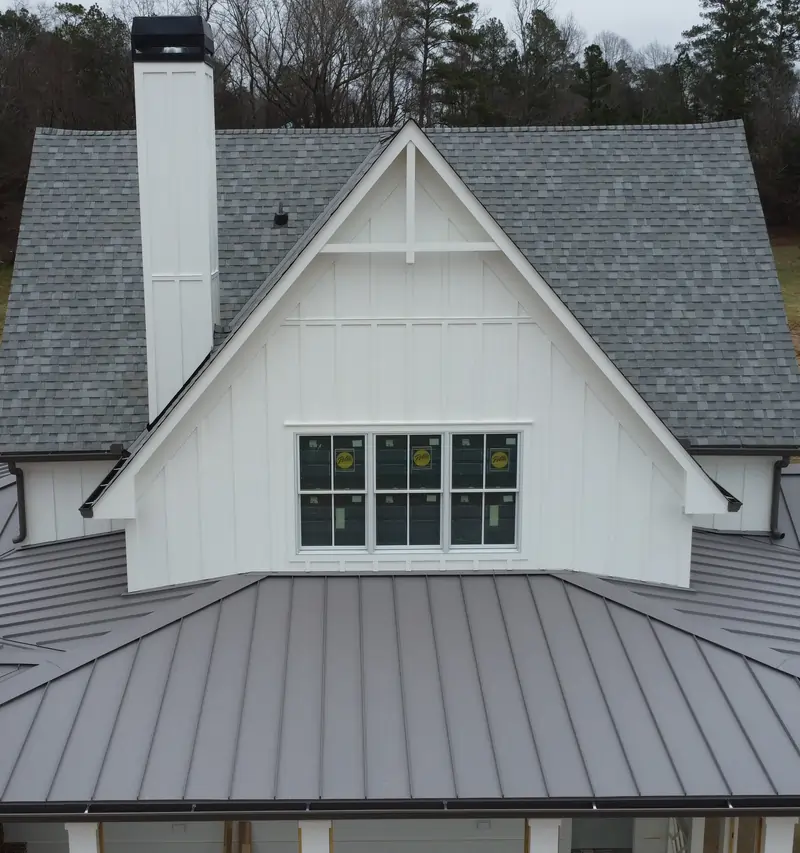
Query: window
x,y
483,489
408,490
332,491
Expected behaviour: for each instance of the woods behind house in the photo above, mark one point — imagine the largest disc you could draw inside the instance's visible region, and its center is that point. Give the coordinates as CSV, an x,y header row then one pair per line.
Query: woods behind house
x,y
338,63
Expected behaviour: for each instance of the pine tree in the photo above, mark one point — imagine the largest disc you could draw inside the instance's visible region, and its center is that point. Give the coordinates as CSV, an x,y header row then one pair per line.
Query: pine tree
x,y
593,83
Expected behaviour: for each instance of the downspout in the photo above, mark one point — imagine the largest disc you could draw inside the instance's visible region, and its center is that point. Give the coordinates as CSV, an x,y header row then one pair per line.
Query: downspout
x,y
22,518
777,469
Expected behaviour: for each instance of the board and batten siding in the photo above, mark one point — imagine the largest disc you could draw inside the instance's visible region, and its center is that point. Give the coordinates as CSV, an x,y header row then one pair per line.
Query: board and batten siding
x,y
365,342
54,492
748,478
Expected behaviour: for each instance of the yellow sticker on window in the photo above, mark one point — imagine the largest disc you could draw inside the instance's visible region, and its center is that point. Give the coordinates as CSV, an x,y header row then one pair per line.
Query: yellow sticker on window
x,y
345,460
421,457
499,459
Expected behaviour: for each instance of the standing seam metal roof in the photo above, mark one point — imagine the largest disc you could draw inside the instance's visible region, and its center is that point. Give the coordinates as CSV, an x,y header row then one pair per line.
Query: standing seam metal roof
x,y
652,236
409,688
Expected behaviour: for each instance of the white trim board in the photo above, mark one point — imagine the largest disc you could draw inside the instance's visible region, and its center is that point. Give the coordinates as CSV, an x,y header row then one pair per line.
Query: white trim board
x,y
701,494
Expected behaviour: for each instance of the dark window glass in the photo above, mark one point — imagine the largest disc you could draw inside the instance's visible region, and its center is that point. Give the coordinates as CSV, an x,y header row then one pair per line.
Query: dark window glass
x,y
467,461
391,461
501,461
349,468
465,510
390,519
315,521
499,517
426,462
315,462
349,520
425,519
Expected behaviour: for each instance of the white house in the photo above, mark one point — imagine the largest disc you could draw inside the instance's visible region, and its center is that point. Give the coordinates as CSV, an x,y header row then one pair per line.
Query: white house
x,y
408,490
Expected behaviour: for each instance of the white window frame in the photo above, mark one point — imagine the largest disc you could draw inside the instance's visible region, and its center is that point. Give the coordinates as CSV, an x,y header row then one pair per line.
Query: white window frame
x,y
446,431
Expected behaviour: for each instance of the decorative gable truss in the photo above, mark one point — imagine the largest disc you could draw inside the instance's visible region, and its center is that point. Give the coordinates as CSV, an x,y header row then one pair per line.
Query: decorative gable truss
x,y
406,309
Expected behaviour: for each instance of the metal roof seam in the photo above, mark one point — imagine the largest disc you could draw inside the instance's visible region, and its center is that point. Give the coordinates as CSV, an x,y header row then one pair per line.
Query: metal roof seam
x,y
561,689
688,704
203,697
113,729
728,702
644,697
771,704
160,708
71,729
441,684
279,729
24,742
403,710
672,617
323,677
248,662
602,692
545,784
480,687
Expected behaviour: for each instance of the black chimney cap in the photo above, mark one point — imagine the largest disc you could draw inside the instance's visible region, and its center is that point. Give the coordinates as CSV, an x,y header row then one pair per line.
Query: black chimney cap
x,y
172,38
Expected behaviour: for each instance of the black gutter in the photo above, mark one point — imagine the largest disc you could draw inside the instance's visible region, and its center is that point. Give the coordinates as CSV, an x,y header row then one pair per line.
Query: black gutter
x,y
739,450
777,471
734,504
59,456
316,810
87,507
22,516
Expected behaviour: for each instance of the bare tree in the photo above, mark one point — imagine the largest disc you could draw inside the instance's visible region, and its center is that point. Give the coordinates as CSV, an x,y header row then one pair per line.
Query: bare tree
x,y
615,48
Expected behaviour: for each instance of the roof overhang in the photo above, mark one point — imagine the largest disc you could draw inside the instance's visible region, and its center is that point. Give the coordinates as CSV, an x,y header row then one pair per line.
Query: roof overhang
x,y
116,497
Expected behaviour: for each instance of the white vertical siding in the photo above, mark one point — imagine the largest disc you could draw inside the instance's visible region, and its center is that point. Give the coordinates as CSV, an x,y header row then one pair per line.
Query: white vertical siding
x,y
748,478
451,340
54,492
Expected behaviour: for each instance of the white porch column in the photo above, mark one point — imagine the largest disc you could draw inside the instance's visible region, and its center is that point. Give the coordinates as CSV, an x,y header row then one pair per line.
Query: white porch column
x,y
779,834
541,835
698,835
314,836
83,837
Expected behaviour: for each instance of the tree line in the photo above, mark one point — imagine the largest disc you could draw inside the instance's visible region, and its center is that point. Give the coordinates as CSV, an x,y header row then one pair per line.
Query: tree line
x,y
336,63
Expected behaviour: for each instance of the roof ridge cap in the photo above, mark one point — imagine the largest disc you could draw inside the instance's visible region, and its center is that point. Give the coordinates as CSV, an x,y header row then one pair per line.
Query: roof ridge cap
x,y
71,660
582,128
672,617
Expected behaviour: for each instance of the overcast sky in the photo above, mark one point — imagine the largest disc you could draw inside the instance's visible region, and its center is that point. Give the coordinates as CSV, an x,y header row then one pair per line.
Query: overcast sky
x,y
639,21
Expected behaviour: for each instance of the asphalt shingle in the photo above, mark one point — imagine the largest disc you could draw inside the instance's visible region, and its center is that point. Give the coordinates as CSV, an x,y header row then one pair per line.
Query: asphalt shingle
x,y
652,236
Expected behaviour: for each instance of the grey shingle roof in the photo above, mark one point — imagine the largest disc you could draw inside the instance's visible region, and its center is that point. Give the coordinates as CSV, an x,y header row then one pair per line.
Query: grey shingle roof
x,y
58,595
401,689
653,236
747,586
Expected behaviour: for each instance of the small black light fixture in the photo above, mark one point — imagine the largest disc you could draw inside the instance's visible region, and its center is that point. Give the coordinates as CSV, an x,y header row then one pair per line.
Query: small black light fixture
x,y
281,217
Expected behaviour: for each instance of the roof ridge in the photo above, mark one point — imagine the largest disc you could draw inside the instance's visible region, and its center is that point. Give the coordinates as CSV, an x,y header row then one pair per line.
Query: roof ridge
x,y
362,129
660,612
139,628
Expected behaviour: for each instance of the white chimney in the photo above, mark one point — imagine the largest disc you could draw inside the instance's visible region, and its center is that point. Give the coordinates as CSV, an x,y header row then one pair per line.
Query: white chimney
x,y
174,86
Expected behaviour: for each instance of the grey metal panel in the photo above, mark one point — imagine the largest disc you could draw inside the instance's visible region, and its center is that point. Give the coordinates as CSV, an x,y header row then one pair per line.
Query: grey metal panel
x,y
125,762
430,758
281,672
342,758
683,313
61,594
646,754
689,751
711,708
595,728
562,766
258,748
215,743
386,768
512,738
745,585
170,750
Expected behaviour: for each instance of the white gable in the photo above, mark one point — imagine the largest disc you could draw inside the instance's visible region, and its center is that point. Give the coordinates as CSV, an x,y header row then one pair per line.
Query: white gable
x,y
409,312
